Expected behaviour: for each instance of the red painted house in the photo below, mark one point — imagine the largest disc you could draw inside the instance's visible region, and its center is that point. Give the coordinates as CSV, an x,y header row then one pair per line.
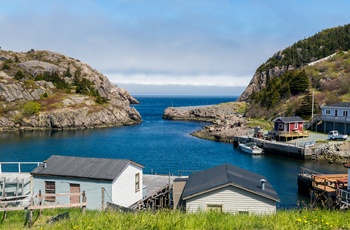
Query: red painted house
x,y
288,125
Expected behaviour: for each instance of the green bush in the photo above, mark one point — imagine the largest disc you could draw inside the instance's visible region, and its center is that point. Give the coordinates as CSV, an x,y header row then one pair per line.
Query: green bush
x,y
30,108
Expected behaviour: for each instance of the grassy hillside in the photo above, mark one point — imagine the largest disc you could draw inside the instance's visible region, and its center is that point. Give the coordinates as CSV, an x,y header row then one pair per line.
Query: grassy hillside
x,y
317,65
293,219
291,93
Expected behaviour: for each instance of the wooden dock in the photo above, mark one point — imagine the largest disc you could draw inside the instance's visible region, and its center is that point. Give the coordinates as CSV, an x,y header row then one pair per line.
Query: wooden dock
x,y
157,190
280,148
328,189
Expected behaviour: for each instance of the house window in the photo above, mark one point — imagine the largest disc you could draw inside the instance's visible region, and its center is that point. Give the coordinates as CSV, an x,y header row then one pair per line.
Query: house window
x,y
50,188
243,212
295,125
345,113
280,125
328,111
214,207
137,182
336,112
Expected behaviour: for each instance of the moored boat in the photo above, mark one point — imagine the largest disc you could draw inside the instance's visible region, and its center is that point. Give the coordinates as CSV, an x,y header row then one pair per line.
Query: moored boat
x,y
250,147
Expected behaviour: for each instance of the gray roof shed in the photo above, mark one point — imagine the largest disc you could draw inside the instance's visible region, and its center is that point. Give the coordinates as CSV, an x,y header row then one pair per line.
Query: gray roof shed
x,y
227,175
289,119
82,167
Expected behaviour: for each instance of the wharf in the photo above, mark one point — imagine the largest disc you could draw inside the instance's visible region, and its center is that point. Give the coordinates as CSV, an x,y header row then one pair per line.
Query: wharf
x,y
330,189
292,150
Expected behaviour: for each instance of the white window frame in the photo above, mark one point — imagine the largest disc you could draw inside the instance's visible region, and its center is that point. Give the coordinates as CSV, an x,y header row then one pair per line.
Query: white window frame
x,y
137,182
215,207
296,126
345,113
328,112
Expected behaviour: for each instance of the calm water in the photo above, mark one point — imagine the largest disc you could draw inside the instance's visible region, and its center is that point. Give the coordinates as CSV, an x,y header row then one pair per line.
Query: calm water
x,y
162,146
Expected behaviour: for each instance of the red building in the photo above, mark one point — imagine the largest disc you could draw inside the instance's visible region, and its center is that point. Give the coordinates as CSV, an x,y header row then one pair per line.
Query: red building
x,y
288,124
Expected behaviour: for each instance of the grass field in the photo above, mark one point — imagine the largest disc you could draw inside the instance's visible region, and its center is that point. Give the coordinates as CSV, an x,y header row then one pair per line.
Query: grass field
x,y
290,219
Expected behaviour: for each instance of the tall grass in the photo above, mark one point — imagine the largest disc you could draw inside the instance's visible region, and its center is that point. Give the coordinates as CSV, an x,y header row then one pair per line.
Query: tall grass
x,y
283,219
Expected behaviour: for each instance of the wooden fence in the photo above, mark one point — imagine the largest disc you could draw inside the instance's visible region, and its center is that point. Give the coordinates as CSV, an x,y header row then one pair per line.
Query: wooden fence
x,y
36,203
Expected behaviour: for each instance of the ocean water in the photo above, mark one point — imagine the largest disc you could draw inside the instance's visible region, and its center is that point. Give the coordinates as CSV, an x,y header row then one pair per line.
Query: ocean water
x,y
161,146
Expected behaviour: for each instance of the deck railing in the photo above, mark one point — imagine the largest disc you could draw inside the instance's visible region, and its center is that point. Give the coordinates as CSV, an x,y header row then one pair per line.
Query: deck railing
x,y
19,165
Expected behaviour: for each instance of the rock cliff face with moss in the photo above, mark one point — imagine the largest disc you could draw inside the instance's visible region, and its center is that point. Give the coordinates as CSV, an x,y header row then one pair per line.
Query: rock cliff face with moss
x,y
50,91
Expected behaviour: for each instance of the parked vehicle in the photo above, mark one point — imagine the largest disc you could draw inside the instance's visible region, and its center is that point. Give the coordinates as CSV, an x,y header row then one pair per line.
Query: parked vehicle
x,y
335,135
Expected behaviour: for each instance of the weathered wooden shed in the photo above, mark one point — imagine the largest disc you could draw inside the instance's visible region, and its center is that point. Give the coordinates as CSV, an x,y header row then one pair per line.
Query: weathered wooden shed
x,y
229,188
103,180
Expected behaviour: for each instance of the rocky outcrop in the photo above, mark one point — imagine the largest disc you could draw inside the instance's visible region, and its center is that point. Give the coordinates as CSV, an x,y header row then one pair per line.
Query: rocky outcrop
x,y
226,121
334,152
29,101
260,79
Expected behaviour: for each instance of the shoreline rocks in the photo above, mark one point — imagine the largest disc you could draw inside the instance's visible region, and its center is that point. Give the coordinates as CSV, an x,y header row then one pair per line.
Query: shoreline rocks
x,y
225,118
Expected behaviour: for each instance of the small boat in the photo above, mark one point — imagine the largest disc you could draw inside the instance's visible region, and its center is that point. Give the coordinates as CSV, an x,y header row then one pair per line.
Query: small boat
x,y
250,147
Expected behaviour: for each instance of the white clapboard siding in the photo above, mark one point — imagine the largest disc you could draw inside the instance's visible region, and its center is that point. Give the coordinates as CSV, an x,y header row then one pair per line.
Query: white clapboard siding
x,y
123,187
232,200
92,188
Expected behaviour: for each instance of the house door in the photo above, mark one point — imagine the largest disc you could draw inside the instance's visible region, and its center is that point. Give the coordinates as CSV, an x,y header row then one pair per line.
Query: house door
x,y
74,188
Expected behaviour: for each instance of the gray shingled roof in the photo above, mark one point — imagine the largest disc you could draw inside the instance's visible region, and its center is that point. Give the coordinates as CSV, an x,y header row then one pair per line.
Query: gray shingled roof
x,y
227,175
289,119
339,105
92,168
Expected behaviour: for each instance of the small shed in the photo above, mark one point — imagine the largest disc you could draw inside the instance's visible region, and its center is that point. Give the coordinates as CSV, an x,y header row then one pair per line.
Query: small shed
x,y
229,188
288,124
103,180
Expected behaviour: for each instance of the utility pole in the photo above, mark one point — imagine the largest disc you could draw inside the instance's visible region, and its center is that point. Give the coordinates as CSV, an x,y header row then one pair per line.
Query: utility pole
x,y
313,102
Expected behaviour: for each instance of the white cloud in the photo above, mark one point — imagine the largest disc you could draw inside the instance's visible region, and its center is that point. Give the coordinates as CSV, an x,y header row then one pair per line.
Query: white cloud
x,y
194,80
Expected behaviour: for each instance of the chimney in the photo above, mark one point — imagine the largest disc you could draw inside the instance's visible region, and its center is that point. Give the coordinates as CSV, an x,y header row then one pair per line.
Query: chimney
x,y
262,184
45,164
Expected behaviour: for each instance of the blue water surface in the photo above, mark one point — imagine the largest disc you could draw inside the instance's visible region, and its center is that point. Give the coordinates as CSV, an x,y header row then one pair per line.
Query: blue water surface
x,y
161,146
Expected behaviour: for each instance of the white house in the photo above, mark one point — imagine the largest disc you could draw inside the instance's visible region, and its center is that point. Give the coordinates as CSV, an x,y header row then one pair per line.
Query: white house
x,y
334,117
103,180
341,109
228,188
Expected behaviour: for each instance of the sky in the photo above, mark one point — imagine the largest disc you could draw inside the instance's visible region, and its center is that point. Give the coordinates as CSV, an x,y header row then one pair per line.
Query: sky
x,y
199,47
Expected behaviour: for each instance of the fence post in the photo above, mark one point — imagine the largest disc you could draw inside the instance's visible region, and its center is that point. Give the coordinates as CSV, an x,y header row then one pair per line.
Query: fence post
x,y
40,201
19,167
84,201
103,198
0,167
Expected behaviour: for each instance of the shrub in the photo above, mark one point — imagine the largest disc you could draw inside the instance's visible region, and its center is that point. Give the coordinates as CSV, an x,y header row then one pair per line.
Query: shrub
x,y
19,75
30,108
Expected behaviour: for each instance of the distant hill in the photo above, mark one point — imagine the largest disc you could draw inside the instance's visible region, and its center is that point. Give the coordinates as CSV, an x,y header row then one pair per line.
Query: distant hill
x,y
283,85
47,90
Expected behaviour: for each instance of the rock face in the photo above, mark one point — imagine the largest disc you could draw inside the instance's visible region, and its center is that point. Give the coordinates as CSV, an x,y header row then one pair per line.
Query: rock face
x,y
49,91
226,121
260,79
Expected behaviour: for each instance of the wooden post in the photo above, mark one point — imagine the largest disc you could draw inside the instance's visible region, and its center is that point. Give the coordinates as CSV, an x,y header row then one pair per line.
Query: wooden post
x,y
22,187
17,186
103,198
40,202
30,219
3,186
84,201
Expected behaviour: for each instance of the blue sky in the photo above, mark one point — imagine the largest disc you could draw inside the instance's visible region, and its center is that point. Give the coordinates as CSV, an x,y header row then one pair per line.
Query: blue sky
x,y
168,46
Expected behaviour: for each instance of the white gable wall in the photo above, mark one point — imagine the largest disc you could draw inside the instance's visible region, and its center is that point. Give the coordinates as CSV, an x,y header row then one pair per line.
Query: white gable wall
x,y
123,187
232,200
92,188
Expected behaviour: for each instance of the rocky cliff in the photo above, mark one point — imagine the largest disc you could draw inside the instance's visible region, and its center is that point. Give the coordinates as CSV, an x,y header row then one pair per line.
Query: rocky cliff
x,y
50,91
262,76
